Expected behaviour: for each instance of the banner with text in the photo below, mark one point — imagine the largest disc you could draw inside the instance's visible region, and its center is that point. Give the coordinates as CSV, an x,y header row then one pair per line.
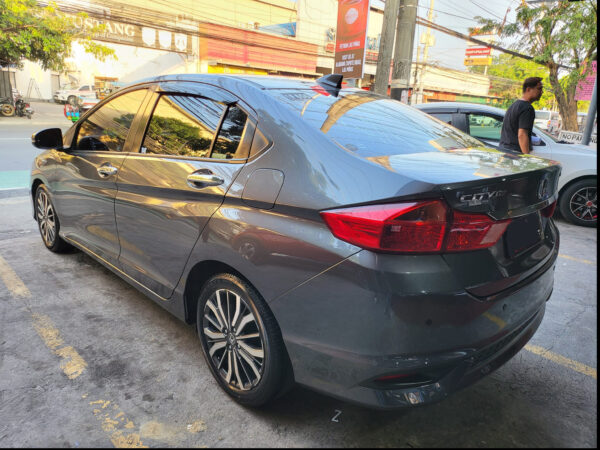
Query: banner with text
x,y
353,17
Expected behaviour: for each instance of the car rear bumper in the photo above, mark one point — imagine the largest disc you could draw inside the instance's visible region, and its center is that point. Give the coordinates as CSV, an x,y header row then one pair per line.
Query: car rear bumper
x,y
342,342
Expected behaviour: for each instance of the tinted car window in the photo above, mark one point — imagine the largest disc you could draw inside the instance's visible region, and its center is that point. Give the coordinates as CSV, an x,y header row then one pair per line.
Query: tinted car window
x,y
484,127
230,134
373,125
183,125
444,117
107,128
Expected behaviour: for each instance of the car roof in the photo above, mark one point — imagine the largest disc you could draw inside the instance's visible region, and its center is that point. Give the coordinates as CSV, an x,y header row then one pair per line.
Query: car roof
x,y
459,106
257,81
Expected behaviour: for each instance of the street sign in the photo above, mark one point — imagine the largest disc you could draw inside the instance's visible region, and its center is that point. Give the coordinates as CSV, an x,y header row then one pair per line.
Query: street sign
x,y
478,61
478,51
351,37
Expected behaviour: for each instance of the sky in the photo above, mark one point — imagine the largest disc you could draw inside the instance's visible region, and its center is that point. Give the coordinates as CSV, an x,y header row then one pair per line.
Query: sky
x,y
458,15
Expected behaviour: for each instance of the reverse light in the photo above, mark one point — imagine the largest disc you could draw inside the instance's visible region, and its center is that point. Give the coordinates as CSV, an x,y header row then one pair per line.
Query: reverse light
x,y
415,227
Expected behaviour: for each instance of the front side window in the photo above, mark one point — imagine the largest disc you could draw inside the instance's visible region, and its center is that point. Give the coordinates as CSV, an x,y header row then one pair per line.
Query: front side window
x,y
484,127
107,128
183,125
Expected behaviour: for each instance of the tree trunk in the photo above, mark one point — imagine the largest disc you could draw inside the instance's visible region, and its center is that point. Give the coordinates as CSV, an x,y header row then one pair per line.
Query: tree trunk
x,y
567,105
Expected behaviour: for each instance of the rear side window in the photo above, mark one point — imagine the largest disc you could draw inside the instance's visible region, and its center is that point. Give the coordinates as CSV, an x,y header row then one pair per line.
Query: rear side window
x,y
183,126
230,135
107,128
484,127
372,125
444,117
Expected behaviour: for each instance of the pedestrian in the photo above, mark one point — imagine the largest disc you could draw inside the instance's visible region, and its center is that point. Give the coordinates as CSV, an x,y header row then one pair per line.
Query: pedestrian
x,y
518,120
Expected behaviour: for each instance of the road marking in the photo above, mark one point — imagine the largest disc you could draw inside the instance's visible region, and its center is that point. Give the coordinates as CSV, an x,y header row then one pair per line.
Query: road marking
x,y
12,281
554,357
12,179
115,421
584,261
72,364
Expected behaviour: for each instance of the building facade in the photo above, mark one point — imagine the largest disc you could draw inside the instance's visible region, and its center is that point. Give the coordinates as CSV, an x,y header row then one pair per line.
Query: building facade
x,y
278,37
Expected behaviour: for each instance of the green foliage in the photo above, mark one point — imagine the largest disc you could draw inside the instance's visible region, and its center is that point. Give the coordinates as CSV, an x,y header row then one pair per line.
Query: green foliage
x,y
42,34
507,74
561,36
175,137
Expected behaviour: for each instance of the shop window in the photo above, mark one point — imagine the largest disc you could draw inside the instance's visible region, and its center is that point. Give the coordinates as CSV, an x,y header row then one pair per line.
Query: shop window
x,y
183,126
107,128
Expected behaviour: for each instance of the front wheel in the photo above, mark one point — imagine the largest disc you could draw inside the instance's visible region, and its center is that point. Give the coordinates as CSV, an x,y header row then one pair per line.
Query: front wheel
x,y
241,341
48,222
578,203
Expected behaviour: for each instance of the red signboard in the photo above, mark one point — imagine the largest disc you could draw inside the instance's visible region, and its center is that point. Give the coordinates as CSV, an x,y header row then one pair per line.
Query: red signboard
x,y
228,45
351,34
478,51
586,86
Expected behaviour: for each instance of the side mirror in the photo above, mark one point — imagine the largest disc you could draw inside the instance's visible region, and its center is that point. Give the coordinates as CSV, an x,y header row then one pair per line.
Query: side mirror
x,y
48,138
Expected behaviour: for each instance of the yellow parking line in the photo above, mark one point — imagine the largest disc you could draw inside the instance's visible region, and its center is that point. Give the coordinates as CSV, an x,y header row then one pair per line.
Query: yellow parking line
x,y
574,365
584,261
12,281
72,364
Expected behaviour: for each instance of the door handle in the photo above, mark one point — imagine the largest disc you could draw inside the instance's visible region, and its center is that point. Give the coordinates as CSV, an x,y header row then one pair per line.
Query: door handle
x,y
200,180
106,170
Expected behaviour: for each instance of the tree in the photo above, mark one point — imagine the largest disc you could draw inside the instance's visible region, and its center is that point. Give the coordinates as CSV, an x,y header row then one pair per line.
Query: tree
x,y
507,74
561,36
42,34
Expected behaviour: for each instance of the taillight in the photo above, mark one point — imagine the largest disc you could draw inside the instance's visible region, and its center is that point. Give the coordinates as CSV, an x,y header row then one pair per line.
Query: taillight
x,y
416,227
401,227
474,231
548,211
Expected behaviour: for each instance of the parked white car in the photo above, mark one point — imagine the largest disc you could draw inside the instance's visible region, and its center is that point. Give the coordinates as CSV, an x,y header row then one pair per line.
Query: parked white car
x,y
577,184
70,95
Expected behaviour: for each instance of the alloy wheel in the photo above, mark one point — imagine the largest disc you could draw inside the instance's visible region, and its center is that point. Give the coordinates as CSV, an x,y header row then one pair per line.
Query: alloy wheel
x,y
584,205
46,218
234,340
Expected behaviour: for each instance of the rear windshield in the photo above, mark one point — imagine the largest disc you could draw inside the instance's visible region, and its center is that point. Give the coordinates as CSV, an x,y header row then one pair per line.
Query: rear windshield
x,y
373,125
544,115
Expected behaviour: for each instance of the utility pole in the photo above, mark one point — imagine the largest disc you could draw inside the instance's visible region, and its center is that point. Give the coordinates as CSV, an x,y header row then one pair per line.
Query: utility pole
x,y
384,58
405,36
428,40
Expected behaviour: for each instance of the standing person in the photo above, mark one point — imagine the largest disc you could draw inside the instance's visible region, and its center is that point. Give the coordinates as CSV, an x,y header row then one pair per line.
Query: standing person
x,y
518,120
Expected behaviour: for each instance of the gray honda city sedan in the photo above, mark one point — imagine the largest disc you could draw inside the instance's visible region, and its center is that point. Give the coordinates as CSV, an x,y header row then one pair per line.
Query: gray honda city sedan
x,y
324,236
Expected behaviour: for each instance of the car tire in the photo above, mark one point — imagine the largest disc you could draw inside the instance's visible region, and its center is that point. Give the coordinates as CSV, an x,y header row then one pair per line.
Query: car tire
x,y
253,370
48,223
578,203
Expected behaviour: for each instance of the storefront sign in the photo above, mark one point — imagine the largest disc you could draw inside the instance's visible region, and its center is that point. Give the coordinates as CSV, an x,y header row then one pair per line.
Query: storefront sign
x,y
124,33
478,51
478,61
353,17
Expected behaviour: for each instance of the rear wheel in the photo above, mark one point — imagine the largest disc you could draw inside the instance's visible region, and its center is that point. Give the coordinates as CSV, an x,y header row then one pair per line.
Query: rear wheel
x,y
579,204
48,222
241,340
7,110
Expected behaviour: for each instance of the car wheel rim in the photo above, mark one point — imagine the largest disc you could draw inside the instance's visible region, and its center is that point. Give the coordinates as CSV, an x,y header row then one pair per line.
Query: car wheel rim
x,y
46,218
234,341
584,205
248,250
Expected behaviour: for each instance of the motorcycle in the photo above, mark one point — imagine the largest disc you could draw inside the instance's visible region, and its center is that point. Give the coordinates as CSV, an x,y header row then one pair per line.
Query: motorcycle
x,y
23,109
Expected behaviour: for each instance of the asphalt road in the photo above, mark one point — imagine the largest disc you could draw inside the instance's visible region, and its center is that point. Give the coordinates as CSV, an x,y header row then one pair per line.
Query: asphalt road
x,y
88,361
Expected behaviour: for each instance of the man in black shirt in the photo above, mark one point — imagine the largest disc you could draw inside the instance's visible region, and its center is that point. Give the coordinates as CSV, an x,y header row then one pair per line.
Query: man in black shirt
x,y
518,120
